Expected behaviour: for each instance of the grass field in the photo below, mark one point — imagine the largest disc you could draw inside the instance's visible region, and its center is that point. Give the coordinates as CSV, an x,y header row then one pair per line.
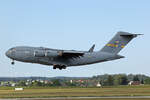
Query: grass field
x,y
96,99
44,92
93,99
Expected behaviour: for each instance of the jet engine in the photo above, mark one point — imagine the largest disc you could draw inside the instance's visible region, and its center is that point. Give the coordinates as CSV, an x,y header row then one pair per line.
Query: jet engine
x,y
52,54
48,53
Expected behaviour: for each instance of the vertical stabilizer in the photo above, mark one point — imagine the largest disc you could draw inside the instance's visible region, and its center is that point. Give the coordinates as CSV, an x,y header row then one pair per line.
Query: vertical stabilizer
x,y
118,42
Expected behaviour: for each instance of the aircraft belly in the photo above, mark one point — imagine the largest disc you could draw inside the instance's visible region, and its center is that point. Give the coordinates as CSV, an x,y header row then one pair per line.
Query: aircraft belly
x,y
51,61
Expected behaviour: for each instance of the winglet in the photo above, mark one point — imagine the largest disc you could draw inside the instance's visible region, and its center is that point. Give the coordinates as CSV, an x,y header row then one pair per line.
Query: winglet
x,y
92,48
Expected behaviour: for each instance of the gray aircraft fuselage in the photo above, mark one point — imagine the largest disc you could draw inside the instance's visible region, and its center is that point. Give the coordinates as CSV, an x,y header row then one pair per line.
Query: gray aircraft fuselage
x,y
65,58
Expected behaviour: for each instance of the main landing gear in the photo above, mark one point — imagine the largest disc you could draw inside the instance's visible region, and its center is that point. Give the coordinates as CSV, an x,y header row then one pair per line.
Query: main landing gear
x,y
60,67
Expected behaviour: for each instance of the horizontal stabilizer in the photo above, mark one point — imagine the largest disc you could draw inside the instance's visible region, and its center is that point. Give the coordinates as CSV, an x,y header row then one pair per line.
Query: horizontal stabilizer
x,y
130,35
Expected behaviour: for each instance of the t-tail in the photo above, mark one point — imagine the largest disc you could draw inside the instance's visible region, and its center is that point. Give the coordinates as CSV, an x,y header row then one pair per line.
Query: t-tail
x,y
118,42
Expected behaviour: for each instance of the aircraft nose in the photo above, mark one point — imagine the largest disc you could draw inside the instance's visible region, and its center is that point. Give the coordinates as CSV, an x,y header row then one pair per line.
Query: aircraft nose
x,y
8,53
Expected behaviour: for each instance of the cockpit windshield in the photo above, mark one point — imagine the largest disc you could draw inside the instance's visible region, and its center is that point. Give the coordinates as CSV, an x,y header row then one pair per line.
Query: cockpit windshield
x,y
12,49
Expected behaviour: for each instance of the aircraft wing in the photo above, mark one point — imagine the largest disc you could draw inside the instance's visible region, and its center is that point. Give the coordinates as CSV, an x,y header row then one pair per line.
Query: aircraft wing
x,y
70,54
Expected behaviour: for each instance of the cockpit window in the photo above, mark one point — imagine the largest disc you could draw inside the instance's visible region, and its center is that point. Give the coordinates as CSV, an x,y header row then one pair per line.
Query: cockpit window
x,y
12,49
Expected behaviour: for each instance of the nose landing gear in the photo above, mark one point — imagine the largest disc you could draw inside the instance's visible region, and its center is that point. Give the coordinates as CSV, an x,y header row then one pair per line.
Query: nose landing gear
x,y
13,62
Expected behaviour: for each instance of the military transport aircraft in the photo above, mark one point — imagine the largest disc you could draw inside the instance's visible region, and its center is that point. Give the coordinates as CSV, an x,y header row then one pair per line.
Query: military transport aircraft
x,y
65,58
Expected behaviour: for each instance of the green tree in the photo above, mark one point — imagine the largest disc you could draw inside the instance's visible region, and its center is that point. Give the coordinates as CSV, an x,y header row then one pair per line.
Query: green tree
x,y
56,82
120,79
117,79
109,81
142,81
136,78
37,83
124,80
147,81
21,83
70,84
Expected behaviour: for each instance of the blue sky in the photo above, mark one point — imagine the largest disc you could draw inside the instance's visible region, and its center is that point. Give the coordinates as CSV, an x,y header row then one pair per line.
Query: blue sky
x,y
74,24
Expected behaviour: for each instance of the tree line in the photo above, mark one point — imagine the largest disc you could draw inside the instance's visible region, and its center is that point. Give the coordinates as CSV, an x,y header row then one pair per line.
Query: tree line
x,y
104,80
121,79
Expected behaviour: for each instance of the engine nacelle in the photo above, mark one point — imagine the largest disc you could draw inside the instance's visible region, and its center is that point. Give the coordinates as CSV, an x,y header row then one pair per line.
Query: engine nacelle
x,y
52,54
47,53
